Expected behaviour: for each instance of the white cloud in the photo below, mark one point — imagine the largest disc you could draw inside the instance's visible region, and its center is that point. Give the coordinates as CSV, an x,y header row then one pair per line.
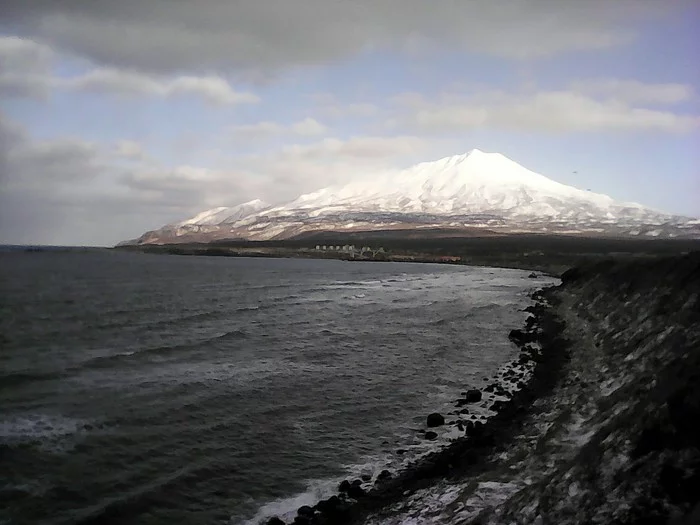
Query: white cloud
x,y
545,111
21,54
328,105
130,150
286,173
308,127
120,82
265,129
24,67
633,91
358,148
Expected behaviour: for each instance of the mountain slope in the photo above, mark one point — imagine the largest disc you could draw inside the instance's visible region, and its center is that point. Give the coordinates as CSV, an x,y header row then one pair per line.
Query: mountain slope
x,y
226,215
473,190
204,226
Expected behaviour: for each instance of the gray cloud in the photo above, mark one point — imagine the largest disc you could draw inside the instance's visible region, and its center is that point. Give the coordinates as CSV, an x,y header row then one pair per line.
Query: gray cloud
x,y
71,191
44,165
162,35
25,71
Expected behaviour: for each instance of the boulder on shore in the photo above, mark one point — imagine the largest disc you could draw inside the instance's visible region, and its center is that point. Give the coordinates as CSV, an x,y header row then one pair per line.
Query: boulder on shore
x,y
473,395
435,420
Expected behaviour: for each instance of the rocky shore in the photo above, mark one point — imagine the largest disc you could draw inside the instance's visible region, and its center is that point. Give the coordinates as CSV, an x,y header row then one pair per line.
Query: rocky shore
x,y
597,421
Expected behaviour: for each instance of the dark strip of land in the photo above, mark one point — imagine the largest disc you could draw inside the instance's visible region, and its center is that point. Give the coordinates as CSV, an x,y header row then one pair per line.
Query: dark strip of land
x,y
545,253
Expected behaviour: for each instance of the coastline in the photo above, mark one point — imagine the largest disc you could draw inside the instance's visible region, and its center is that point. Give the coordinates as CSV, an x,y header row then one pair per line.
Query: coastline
x,y
605,431
521,381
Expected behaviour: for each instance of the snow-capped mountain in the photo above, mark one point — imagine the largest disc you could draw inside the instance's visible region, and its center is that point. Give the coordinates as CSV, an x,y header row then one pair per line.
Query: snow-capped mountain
x,y
474,190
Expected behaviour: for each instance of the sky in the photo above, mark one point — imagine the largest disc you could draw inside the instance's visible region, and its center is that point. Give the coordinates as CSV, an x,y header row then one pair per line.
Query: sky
x,y
119,117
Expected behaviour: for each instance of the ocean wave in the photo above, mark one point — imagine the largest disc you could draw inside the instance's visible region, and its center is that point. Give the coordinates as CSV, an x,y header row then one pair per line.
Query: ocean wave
x,y
14,379
107,361
286,508
135,316
248,308
228,336
37,428
133,502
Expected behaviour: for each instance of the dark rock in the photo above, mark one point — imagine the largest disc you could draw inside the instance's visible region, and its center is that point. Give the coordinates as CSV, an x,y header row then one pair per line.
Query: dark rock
x,y
435,420
430,435
401,451
464,411
384,475
497,406
332,506
356,492
533,275
302,520
305,510
521,338
366,477
344,486
356,483
274,521
473,395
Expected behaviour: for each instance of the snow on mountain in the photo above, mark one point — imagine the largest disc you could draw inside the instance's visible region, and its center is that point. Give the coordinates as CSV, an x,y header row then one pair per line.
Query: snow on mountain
x,y
475,182
226,215
473,190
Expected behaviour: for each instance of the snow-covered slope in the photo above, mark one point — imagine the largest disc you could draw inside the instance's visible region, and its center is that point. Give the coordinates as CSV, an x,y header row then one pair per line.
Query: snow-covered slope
x,y
473,190
475,182
204,226
226,215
